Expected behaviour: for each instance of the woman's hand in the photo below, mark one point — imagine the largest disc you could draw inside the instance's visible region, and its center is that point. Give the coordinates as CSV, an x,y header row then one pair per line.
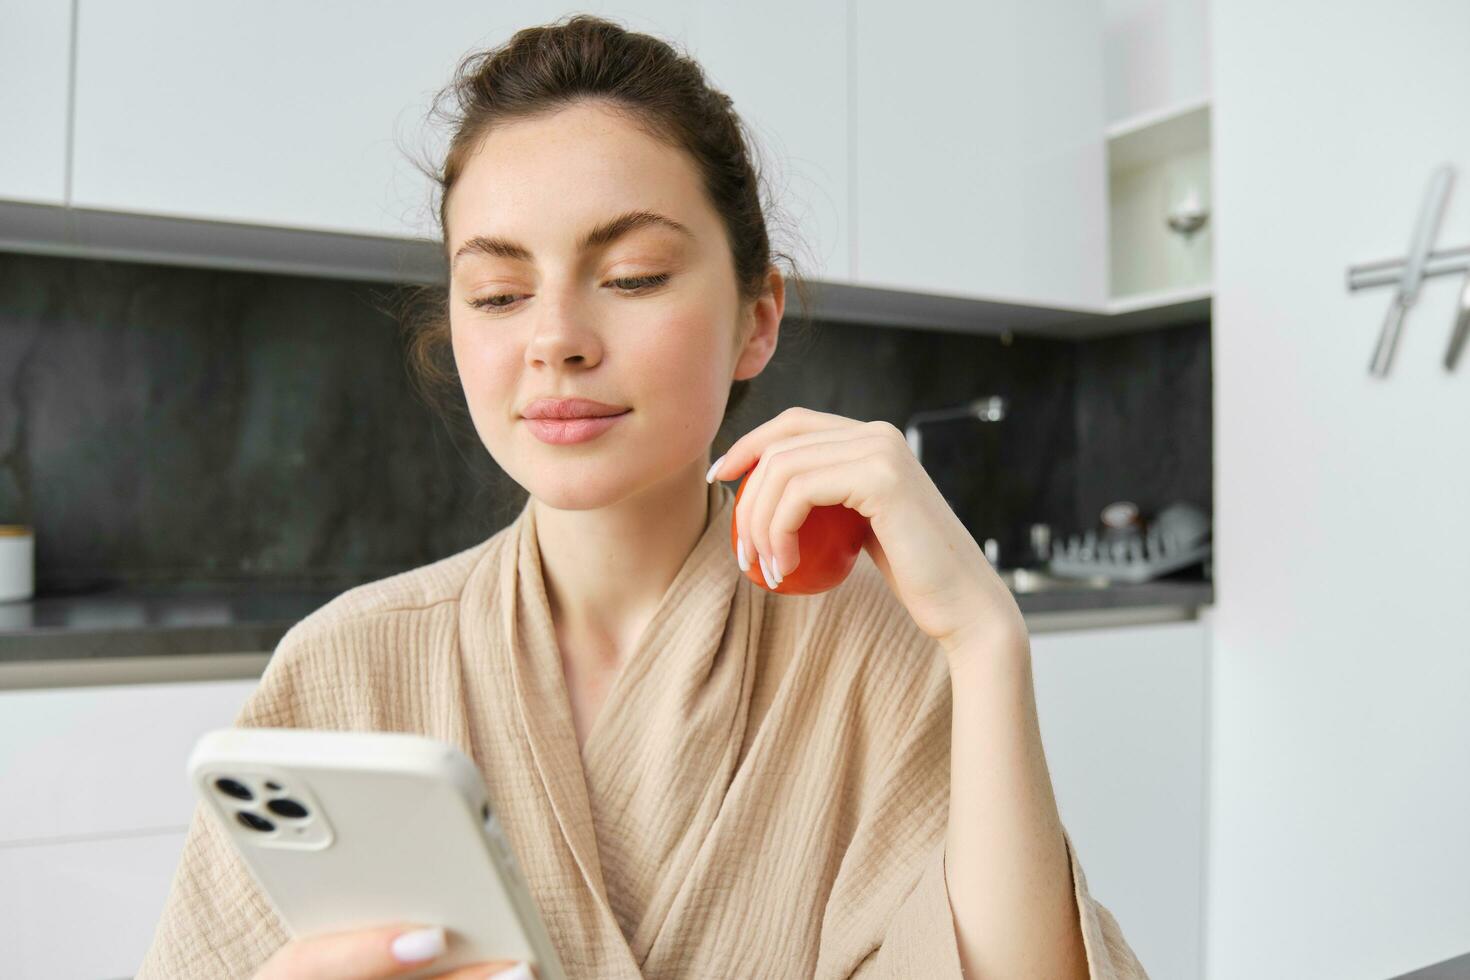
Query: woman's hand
x,y
367,954
805,459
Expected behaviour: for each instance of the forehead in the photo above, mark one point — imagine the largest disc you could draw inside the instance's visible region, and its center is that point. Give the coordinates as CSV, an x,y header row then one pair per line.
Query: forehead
x,y
547,181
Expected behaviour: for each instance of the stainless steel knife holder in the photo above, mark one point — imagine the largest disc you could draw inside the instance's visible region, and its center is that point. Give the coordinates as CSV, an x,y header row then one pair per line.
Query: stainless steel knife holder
x,y
1408,274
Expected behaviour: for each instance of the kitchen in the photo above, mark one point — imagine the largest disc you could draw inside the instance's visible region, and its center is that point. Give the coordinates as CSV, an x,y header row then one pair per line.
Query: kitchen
x,y
1086,312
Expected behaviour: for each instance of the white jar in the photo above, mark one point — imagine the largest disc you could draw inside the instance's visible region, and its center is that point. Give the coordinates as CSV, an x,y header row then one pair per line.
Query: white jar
x,y
17,562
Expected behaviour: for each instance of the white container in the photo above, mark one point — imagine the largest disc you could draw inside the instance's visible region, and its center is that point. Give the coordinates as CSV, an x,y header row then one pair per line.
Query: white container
x,y
17,562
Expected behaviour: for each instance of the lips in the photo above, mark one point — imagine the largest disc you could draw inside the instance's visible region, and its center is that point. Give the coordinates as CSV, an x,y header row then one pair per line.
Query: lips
x,y
561,432
570,408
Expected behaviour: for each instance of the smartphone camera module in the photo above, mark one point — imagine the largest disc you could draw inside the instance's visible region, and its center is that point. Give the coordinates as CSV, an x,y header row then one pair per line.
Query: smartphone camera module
x,y
231,787
254,822
278,808
287,808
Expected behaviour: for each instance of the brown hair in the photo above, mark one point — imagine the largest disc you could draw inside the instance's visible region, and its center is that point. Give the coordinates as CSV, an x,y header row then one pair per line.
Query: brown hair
x,y
548,68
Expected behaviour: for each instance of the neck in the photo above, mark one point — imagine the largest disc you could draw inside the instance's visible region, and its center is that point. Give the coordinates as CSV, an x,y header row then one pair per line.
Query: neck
x,y
606,570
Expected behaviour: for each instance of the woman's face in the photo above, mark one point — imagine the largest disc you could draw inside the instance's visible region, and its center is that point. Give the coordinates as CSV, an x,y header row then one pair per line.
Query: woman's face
x,y
574,321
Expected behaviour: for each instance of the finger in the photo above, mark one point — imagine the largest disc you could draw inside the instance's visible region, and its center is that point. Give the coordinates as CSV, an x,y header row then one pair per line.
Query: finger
x,y
746,450
359,954
746,507
843,484
831,473
745,510
491,970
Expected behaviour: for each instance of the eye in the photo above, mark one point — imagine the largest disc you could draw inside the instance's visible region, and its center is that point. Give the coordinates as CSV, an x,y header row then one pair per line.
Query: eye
x,y
627,284
642,282
489,302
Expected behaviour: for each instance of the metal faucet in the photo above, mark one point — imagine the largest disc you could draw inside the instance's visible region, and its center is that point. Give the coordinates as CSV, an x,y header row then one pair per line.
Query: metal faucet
x,y
990,409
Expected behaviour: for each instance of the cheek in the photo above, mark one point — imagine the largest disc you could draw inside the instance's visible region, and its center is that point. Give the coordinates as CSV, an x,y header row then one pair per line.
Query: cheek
x,y
483,367
685,357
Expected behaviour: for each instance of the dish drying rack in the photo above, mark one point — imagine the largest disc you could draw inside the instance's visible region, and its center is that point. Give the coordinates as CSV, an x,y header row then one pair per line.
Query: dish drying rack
x,y
1178,538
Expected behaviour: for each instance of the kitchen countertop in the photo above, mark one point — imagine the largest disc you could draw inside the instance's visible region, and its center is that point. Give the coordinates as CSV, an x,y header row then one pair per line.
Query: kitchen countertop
x,y
177,622
152,622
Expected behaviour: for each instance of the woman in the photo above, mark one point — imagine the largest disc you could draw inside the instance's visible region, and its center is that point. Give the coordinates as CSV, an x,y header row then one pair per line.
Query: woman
x,y
702,777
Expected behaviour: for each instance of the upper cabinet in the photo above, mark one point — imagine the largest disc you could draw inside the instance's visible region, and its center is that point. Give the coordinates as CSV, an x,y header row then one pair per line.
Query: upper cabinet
x,y
35,63
1156,56
274,113
790,88
308,116
965,153
977,149
1157,79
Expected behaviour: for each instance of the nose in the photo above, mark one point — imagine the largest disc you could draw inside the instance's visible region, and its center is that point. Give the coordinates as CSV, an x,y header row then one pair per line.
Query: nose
x,y
563,335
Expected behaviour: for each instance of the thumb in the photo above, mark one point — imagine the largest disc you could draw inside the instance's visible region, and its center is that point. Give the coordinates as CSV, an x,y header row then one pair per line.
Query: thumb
x,y
492,970
357,954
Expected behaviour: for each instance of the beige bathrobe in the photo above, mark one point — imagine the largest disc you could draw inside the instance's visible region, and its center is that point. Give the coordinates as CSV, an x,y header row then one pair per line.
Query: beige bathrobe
x,y
763,794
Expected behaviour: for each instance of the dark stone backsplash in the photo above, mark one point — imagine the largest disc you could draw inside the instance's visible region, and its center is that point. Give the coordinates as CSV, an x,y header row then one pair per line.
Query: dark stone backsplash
x,y
168,426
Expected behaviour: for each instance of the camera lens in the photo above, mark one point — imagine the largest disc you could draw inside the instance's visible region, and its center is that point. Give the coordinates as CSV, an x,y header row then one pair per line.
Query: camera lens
x,y
286,808
255,823
238,790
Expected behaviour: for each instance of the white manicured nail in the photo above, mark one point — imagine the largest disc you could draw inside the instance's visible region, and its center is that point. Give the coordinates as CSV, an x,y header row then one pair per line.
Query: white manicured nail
x,y
776,570
743,561
765,569
710,476
518,972
419,945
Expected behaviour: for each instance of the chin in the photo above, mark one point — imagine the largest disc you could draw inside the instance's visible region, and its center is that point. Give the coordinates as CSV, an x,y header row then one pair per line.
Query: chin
x,y
560,496
589,483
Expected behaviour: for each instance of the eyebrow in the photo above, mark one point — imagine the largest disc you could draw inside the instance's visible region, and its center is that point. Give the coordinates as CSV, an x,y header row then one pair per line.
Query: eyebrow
x,y
603,234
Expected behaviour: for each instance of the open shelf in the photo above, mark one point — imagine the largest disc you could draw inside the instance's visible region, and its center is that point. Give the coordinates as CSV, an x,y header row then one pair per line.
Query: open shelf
x,y
1157,161
1162,132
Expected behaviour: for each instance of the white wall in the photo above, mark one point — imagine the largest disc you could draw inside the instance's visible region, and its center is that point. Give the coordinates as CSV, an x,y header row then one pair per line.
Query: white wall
x,y
1340,769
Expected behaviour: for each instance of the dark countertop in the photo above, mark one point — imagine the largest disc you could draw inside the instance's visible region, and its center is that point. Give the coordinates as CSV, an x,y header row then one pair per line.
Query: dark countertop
x,y
165,622
151,623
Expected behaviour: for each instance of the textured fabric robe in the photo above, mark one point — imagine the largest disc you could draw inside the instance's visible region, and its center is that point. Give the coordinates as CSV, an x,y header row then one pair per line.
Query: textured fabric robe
x,y
764,792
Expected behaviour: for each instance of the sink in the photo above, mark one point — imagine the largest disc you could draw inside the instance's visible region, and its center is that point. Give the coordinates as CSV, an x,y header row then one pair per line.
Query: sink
x,y
1021,580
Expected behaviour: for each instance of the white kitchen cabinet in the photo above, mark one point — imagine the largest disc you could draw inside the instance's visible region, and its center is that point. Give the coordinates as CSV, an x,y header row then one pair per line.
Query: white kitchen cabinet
x,y
301,116
97,805
95,761
978,151
274,113
84,909
35,41
1156,56
966,163
1123,723
790,87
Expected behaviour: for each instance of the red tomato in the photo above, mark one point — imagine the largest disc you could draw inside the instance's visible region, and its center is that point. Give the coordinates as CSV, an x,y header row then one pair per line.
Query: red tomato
x,y
829,540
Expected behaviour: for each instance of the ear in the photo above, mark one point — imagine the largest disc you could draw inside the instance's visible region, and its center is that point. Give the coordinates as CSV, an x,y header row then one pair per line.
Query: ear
x,y
761,327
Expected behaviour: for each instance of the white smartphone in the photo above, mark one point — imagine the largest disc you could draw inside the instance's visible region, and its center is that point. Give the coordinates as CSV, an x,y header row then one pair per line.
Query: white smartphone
x,y
347,830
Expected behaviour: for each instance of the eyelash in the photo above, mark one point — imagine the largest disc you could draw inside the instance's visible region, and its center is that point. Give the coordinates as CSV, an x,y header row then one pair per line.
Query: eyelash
x,y
644,283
